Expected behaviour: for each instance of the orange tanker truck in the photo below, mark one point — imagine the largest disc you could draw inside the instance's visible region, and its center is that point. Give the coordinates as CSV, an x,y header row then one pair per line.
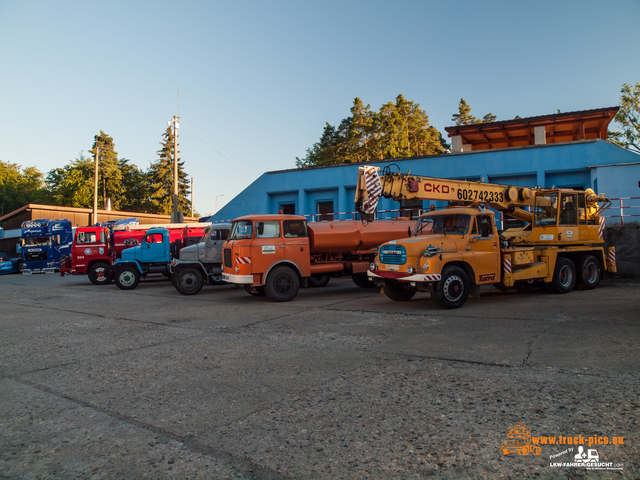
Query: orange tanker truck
x,y
277,254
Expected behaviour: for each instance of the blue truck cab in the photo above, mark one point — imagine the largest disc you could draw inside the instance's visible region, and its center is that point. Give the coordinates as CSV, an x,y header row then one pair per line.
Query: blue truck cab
x,y
151,256
43,242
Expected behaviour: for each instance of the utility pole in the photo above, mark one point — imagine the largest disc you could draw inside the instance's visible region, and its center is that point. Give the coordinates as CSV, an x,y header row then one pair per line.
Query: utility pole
x,y
175,218
95,186
191,197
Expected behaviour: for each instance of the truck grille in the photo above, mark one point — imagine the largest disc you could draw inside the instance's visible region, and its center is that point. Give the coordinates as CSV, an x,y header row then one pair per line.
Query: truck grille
x,y
394,254
227,258
35,255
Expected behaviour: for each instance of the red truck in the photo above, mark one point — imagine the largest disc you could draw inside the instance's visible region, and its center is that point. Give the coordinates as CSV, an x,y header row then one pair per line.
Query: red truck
x,y
96,248
276,254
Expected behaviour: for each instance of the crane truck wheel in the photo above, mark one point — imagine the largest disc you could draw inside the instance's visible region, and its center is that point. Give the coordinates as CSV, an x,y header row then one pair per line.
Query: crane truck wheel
x,y
127,278
362,280
255,291
398,291
100,273
318,280
282,284
453,288
188,281
588,270
564,276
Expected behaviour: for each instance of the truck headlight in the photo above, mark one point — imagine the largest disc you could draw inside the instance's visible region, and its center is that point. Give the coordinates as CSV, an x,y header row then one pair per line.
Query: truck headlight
x,y
237,269
372,266
425,267
409,269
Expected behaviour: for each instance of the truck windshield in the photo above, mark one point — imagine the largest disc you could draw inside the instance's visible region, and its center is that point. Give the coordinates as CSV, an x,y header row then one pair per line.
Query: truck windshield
x,y
35,241
453,224
241,229
546,212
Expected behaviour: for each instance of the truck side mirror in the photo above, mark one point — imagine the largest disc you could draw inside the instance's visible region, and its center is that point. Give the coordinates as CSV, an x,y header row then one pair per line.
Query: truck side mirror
x,y
408,231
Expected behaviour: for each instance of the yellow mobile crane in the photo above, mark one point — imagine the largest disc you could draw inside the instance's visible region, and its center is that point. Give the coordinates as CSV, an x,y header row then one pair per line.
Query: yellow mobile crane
x,y
452,252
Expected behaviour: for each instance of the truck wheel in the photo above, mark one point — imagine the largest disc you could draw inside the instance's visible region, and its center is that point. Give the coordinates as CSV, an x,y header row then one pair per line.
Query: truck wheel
x,y
282,284
398,291
588,270
188,281
362,280
564,276
255,291
453,288
316,281
100,273
127,278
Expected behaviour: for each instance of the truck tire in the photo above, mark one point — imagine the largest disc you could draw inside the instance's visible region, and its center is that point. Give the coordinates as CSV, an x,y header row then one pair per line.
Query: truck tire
x,y
255,291
362,280
127,277
188,281
316,281
100,273
398,291
588,270
564,276
282,284
453,289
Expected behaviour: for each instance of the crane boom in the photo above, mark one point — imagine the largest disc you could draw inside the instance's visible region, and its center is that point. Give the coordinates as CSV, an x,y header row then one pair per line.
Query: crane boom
x,y
399,186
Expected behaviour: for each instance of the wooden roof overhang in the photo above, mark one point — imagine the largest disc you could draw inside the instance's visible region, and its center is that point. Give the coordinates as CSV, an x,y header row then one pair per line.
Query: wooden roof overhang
x,y
560,127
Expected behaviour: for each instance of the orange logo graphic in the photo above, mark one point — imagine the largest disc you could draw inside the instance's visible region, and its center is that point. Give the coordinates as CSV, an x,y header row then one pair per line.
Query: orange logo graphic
x,y
519,441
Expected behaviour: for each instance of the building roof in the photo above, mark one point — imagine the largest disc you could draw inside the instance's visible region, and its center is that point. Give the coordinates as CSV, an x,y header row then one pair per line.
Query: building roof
x,y
102,213
613,165
559,128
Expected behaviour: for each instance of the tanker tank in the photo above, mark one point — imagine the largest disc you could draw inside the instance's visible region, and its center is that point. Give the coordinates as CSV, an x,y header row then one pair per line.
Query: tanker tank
x,y
350,236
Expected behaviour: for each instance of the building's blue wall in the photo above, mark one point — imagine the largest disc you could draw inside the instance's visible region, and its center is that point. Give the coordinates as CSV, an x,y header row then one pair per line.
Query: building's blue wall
x,y
559,165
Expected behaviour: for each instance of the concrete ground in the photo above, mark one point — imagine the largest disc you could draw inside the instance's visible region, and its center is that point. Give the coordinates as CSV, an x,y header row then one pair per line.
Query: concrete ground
x,y
341,382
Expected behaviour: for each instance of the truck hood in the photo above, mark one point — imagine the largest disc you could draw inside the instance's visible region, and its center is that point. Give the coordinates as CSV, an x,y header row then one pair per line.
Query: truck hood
x,y
417,245
191,253
131,253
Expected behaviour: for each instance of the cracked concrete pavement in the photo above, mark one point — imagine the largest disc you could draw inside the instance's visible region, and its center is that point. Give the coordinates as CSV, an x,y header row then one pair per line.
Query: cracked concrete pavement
x,y
339,383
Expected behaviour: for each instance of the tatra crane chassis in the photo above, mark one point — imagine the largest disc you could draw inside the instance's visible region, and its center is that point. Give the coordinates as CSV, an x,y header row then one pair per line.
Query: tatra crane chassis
x,y
453,251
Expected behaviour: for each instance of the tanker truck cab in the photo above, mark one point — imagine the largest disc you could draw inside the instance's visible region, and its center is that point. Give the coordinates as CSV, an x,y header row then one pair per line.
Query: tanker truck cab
x,y
268,253
151,256
449,251
200,262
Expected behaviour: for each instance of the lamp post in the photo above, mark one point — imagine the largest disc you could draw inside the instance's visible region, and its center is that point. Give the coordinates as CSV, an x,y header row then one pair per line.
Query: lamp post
x,y
216,210
176,124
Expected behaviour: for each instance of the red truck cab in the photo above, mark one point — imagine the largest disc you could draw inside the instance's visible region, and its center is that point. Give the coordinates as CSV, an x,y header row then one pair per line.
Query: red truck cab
x,y
90,255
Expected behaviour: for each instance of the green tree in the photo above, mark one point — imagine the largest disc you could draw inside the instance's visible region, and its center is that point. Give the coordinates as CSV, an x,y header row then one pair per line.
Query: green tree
x,y
110,176
464,117
73,184
628,117
161,180
19,187
399,129
137,188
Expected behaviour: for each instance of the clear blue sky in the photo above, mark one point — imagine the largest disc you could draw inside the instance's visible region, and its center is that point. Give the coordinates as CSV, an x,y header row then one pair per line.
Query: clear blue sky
x,y
258,80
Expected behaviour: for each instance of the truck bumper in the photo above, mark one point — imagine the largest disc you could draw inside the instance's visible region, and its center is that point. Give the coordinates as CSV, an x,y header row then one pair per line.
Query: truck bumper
x,y
29,271
242,279
434,277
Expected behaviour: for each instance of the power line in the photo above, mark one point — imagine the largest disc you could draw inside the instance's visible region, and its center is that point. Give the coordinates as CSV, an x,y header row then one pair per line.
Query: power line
x,y
254,176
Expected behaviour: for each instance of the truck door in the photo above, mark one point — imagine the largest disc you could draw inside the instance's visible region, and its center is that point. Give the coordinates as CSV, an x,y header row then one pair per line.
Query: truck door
x,y
214,242
486,249
153,248
267,247
296,244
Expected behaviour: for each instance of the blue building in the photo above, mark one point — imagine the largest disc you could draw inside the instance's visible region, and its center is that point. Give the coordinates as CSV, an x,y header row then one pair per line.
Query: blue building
x,y
562,150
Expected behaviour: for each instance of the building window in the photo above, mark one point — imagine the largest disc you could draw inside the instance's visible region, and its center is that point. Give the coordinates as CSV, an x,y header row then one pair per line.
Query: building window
x,y
325,211
287,208
411,208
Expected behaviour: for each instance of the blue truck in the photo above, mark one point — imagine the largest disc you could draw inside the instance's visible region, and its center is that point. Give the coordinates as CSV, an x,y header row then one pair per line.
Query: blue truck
x,y
151,256
43,242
